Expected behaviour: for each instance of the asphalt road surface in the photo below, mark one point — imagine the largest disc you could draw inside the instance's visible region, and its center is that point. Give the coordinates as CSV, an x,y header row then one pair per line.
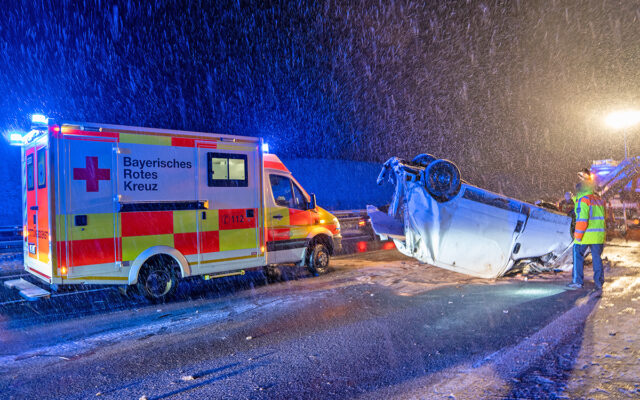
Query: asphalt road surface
x,y
376,323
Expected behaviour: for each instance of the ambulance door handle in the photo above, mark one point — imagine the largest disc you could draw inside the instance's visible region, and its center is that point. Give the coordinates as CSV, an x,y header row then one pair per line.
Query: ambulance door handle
x,y
204,215
277,216
34,208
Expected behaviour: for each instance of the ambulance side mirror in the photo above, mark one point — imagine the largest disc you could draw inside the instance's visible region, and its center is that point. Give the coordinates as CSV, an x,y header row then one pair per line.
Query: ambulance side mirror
x,y
312,202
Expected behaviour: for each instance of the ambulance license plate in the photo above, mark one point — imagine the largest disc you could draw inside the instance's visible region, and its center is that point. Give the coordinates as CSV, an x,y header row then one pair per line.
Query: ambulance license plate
x,y
32,248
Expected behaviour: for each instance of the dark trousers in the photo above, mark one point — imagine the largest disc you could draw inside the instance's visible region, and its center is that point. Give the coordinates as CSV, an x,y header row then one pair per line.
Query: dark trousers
x,y
579,251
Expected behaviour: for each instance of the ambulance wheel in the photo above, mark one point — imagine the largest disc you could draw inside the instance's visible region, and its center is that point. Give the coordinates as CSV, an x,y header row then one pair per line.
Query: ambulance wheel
x,y
319,259
442,180
157,279
423,159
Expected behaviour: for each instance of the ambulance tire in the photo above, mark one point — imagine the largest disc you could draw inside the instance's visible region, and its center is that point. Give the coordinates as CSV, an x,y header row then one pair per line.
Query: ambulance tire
x,y
319,259
442,180
423,159
158,279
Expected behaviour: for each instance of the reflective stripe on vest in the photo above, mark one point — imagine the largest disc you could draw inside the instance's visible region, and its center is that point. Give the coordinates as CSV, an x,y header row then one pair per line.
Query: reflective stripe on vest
x,y
590,220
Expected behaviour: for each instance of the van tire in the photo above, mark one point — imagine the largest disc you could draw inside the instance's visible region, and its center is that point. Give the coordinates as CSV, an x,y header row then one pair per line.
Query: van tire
x,y
158,279
442,180
423,159
319,259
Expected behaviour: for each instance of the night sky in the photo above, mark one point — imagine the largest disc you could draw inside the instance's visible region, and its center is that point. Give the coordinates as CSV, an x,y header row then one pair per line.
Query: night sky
x,y
513,92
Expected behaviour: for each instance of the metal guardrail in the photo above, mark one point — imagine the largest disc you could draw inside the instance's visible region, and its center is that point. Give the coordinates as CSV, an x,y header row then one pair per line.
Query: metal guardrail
x,y
10,232
10,238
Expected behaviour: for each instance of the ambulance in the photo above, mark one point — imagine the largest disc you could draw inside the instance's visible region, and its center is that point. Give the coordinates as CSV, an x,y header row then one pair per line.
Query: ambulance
x,y
122,205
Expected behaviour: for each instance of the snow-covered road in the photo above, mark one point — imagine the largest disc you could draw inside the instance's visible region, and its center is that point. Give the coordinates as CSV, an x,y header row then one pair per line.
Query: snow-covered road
x,y
380,325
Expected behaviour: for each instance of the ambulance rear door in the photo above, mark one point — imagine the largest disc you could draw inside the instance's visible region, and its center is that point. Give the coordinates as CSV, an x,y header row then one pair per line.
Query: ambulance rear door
x,y
229,180
88,237
36,177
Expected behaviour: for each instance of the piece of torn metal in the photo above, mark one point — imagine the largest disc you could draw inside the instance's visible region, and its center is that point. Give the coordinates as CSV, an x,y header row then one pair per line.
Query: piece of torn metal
x,y
441,220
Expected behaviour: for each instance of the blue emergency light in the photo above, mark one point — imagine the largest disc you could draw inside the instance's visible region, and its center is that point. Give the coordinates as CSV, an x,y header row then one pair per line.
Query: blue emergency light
x,y
15,139
39,119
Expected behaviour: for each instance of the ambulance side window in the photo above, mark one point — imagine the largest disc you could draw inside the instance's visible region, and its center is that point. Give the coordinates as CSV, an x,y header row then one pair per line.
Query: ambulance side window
x,y
30,172
281,189
42,168
227,170
299,202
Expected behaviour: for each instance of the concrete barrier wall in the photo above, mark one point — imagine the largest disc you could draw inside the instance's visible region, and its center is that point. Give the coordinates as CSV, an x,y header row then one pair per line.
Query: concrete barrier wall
x,y
341,184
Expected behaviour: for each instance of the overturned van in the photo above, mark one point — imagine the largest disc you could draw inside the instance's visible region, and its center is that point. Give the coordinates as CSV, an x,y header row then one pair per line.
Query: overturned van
x,y
441,220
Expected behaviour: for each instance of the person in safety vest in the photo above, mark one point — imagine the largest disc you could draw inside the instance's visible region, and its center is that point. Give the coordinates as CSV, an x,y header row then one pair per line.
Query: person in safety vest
x,y
589,233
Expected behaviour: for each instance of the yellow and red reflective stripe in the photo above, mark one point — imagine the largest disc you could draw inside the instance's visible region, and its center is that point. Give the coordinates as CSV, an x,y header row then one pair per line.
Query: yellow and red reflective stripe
x,y
275,234
237,218
89,251
144,223
223,230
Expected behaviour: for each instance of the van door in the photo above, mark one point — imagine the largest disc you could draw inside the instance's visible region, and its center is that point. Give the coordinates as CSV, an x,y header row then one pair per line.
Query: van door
x,y
228,230
37,210
289,220
89,243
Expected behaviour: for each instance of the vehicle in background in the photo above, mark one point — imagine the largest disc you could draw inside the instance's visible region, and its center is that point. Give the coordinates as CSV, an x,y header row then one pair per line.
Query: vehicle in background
x,y
441,220
618,183
356,225
122,205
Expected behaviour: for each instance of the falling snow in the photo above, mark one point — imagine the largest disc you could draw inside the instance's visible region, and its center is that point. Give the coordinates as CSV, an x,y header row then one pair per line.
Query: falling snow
x,y
513,92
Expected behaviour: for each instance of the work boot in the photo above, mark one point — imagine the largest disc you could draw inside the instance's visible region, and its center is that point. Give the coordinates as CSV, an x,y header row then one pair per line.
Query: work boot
x,y
574,285
597,292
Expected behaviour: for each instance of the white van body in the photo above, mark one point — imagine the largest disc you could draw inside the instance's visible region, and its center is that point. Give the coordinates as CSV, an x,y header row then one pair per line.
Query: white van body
x,y
476,232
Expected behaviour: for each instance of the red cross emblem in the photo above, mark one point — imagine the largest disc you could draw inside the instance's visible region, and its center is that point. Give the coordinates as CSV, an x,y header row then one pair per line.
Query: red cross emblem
x,y
92,174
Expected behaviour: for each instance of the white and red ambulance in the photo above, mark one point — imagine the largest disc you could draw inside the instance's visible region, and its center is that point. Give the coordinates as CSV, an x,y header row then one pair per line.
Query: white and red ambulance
x,y
108,204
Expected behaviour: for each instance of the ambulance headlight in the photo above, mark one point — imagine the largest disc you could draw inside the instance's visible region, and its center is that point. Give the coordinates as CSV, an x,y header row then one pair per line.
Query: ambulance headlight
x,y
15,139
38,119
265,147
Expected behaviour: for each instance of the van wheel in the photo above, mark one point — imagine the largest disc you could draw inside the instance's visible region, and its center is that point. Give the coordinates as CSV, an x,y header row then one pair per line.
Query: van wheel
x,y
157,279
423,159
442,180
319,259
